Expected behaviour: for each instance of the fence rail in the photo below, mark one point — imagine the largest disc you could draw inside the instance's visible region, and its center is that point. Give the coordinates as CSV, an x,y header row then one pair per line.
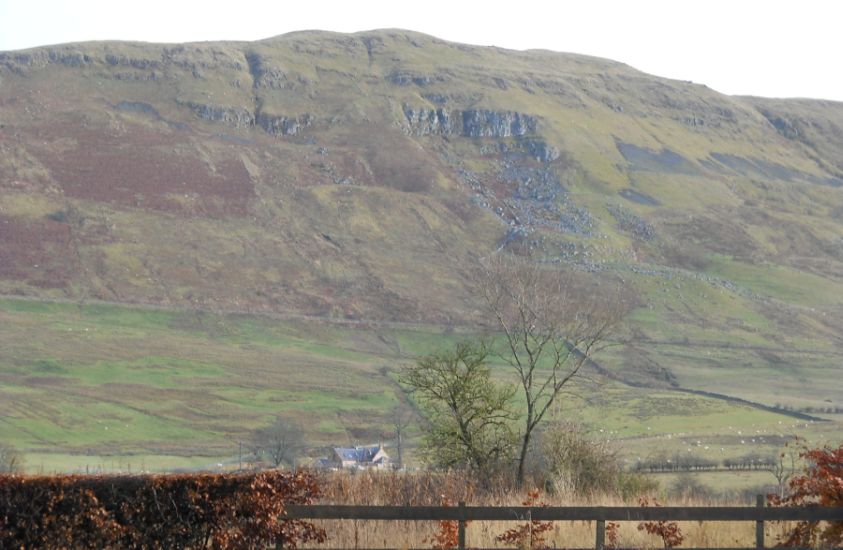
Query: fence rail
x,y
600,514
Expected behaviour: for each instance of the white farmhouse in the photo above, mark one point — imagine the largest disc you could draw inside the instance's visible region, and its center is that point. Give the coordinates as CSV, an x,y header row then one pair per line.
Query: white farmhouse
x,y
360,458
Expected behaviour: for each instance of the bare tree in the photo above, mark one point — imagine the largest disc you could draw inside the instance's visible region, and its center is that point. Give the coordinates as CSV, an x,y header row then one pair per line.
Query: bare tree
x,y
401,417
783,466
552,323
10,459
281,442
469,414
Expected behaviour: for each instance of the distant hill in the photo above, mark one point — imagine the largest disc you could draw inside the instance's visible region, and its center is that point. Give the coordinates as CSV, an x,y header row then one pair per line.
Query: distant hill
x,y
361,176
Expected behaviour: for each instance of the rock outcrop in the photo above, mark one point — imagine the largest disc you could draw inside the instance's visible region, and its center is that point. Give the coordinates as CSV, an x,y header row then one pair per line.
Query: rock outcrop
x,y
469,123
241,117
429,121
191,59
237,117
631,224
264,75
407,78
540,150
143,64
500,124
280,125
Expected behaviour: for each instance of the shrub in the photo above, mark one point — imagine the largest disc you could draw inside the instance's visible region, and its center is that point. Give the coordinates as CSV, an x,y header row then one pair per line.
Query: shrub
x,y
10,459
668,531
688,486
238,511
821,484
529,535
447,534
575,463
612,534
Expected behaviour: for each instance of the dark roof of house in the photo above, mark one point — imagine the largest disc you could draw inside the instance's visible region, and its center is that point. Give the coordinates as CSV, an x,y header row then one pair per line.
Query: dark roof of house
x,y
357,454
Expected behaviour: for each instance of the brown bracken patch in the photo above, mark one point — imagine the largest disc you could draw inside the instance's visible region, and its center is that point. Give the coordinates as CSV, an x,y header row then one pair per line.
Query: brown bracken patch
x,y
144,168
37,251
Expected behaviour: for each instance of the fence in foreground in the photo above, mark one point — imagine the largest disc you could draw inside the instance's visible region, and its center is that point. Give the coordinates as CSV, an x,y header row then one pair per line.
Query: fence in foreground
x,y
599,514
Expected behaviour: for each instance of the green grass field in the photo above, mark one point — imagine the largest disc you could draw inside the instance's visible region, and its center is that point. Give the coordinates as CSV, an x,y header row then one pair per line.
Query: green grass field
x,y
104,380
112,387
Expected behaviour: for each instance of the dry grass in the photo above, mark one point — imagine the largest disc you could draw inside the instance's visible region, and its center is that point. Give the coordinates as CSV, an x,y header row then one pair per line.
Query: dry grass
x,y
429,489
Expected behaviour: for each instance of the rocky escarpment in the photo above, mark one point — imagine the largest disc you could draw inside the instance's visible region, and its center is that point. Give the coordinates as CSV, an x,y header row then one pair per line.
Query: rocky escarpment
x,y
425,122
280,125
170,61
540,150
502,124
238,117
469,123
241,117
17,62
525,190
816,124
264,75
407,78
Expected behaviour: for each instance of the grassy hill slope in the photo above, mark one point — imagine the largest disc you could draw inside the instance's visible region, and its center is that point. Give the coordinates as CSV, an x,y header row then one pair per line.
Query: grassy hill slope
x,y
114,387
359,178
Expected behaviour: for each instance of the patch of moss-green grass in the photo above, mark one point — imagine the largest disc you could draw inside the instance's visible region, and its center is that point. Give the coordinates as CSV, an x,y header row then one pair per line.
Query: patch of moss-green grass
x,y
159,372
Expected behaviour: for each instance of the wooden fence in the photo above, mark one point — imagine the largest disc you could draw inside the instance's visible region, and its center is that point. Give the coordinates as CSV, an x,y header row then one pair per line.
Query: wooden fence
x,y
599,514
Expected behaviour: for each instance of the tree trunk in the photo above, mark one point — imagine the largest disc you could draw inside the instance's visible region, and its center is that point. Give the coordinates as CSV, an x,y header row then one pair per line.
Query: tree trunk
x,y
522,459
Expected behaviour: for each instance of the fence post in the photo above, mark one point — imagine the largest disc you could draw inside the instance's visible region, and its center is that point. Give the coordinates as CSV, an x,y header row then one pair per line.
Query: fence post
x,y
461,527
600,543
759,525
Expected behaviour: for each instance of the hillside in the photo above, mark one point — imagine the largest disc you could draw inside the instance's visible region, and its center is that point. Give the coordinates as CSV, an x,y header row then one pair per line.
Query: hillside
x,y
360,177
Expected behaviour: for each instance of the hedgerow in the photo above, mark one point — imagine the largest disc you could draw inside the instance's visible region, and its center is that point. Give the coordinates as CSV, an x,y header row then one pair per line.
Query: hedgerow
x,y
220,511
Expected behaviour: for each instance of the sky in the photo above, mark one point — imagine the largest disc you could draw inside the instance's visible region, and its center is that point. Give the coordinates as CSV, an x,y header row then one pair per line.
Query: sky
x,y
770,48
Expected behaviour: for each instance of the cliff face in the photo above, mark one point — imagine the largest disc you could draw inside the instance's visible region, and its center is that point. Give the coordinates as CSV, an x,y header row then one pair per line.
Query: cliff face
x,y
362,175
469,123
